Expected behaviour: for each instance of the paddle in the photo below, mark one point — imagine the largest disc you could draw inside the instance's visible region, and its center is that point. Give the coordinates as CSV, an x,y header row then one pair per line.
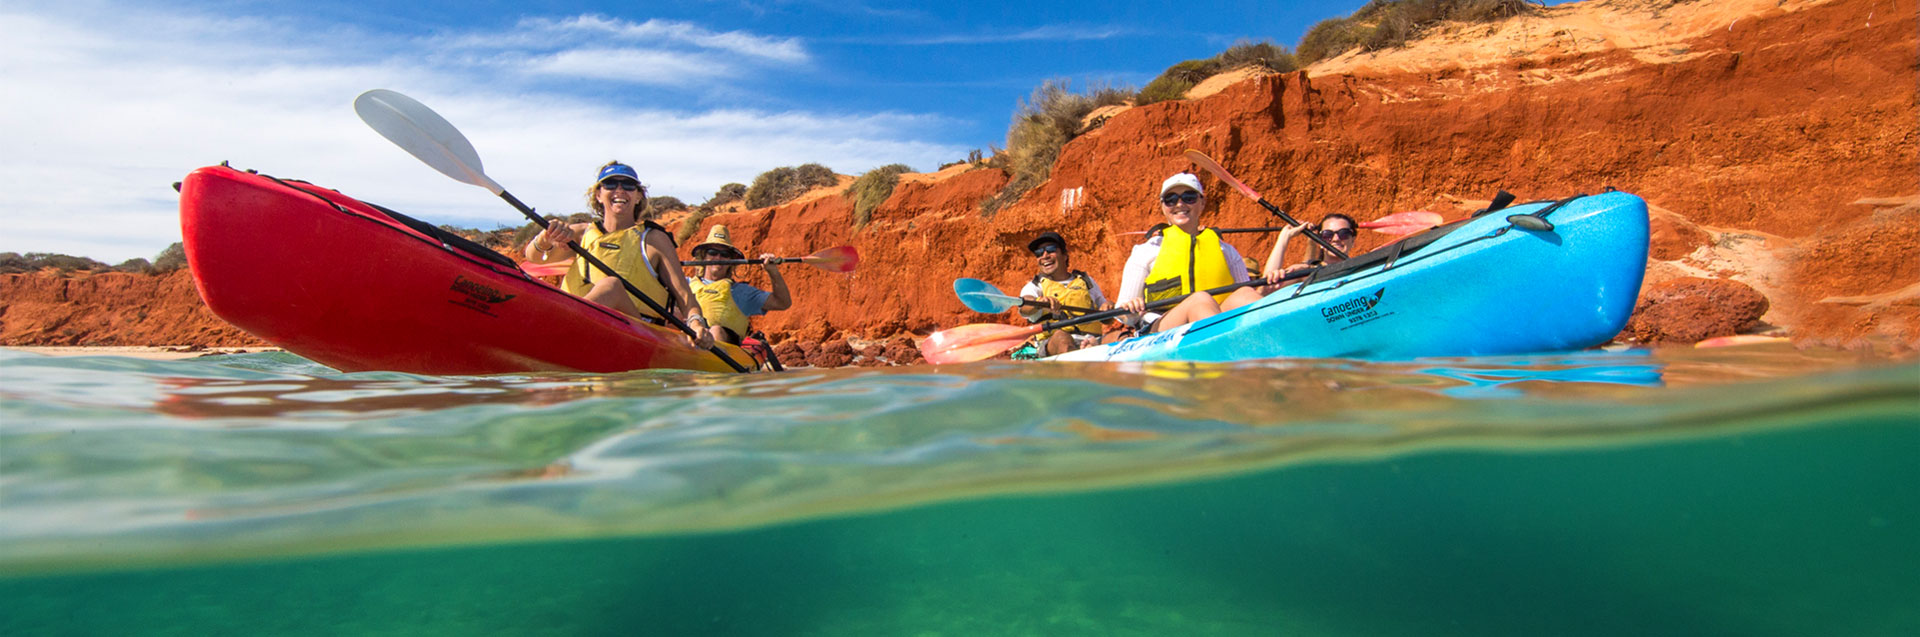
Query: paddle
x,y
980,341
1405,223
432,139
981,296
1396,224
841,260
1214,167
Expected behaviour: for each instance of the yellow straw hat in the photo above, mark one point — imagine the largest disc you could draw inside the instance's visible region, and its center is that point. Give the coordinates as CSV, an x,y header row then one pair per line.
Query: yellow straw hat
x,y
717,237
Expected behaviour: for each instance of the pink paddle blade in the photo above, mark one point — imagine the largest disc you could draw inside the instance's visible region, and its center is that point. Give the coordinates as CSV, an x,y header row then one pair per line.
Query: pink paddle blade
x,y
1405,223
1201,159
1408,218
840,259
547,269
968,343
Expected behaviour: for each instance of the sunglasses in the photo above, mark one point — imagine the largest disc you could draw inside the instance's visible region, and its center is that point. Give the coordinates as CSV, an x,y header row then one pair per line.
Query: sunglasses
x,y
1046,248
1179,197
1343,233
620,184
713,254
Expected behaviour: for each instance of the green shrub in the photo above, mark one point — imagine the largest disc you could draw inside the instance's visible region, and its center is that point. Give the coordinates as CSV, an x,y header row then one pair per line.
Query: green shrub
x,y
1174,82
786,183
1266,55
1042,125
872,189
1385,24
12,262
727,194
665,203
691,224
1330,38
136,265
170,259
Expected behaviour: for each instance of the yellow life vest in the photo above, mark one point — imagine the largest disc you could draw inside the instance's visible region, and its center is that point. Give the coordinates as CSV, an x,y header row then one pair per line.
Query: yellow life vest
x,y
1188,263
623,251
716,303
1076,291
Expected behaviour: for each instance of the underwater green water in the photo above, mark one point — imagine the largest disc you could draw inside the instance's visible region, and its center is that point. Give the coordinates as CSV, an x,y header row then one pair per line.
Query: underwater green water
x,y
1753,491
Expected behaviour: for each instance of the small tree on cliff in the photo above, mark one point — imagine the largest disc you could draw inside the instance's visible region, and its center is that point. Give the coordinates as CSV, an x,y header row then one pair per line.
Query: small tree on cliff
x,y
872,189
170,259
786,183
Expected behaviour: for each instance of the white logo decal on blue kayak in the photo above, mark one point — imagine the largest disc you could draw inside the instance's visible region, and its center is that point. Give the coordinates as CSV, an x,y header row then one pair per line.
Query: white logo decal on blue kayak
x,y
1356,311
1150,341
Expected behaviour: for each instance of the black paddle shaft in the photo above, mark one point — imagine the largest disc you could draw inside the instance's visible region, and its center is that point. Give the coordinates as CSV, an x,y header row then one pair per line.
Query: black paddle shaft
x,y
1169,302
591,260
1315,236
741,261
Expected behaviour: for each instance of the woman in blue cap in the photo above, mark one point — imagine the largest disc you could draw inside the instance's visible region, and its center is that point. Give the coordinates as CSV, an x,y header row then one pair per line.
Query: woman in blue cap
x,y
625,238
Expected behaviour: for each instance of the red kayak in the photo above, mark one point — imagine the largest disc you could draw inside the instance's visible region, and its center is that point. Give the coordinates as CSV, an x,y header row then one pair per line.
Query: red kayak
x,y
358,287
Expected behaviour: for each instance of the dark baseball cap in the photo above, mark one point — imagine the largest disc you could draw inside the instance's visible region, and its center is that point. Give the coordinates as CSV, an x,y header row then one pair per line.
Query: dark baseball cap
x,y
1046,237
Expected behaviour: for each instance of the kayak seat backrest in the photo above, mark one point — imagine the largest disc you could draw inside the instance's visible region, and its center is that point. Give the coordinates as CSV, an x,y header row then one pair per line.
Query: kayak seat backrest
x,y
446,238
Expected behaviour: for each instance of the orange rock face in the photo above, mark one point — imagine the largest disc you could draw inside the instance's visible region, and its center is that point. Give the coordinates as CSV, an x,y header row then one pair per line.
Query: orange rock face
x,y
111,309
1759,134
1689,310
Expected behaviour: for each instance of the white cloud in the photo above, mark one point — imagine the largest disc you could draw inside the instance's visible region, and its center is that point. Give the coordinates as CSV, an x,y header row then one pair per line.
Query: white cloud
x,y
106,106
666,68
1048,33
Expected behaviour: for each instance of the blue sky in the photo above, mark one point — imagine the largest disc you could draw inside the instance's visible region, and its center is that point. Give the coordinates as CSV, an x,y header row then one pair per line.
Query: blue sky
x,y
109,102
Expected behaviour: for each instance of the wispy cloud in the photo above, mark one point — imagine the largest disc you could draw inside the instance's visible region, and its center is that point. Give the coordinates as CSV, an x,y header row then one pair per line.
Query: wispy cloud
x,y
107,105
1049,33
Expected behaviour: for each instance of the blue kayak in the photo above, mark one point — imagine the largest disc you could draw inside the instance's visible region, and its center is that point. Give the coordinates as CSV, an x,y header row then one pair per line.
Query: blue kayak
x,y
1545,276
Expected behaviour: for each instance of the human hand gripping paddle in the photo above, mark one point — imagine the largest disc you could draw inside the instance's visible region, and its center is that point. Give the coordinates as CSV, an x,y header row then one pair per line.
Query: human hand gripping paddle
x,y
1214,167
981,341
981,296
432,139
841,260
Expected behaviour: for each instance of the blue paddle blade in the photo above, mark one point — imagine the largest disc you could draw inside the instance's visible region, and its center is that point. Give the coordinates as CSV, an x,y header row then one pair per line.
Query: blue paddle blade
x,y
981,296
988,302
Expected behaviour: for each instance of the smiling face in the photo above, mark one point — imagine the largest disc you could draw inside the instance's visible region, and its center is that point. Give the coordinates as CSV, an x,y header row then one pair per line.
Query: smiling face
x,y
617,198
1181,207
1338,231
1052,259
714,272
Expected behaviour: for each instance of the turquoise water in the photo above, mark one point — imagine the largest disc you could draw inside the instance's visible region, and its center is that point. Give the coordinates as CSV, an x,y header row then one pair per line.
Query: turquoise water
x,y
1745,491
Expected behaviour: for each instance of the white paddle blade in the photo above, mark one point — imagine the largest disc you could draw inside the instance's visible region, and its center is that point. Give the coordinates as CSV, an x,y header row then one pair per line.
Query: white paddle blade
x,y
424,134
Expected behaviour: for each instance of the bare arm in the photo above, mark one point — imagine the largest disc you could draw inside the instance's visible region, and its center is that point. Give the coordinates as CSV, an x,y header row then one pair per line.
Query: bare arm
x,y
1133,278
1277,257
780,298
667,267
551,244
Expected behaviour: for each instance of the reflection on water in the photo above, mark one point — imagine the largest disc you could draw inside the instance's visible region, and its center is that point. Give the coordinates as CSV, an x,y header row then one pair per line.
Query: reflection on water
x,y
1743,491
108,460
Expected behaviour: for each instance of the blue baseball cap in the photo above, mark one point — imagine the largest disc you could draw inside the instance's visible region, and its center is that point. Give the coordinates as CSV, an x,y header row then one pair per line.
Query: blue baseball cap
x,y
617,170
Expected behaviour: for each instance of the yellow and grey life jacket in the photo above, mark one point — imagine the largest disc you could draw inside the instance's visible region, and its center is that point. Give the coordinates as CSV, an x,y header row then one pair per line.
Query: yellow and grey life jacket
x,y
717,304
1187,263
1076,291
626,252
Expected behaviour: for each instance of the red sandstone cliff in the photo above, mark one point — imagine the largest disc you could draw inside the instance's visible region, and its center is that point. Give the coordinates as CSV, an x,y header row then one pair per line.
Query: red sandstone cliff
x,y
1777,141
48,308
